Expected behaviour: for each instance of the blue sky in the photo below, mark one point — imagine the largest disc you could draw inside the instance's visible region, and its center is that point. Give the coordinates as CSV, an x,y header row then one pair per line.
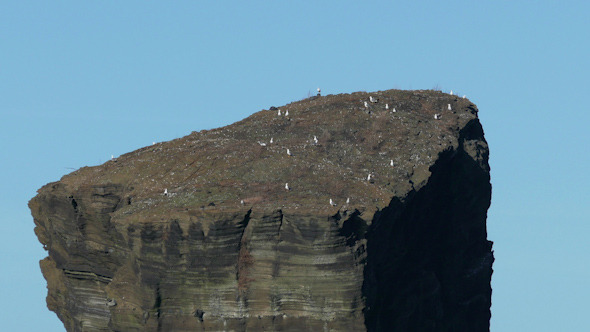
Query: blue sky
x,y
80,81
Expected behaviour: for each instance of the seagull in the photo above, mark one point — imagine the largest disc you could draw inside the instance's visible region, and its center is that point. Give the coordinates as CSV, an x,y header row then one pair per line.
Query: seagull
x,y
386,106
262,143
391,163
348,200
451,92
437,116
366,105
289,152
153,143
319,91
332,202
279,112
242,202
112,157
287,113
449,107
166,192
369,177
271,140
463,96
373,100
394,110
315,139
287,186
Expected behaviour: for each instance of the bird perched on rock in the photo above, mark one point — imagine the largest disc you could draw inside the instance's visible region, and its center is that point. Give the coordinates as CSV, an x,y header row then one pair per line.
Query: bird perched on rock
x,y
332,202
319,92
287,186
289,152
373,100
451,92
369,177
386,106
242,202
391,163
112,157
279,113
463,96
262,143
315,139
287,113
366,104
437,116
348,200
271,140
394,110
166,192
449,107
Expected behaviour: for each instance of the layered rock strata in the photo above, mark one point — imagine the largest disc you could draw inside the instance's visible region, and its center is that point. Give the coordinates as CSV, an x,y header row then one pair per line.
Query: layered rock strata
x,y
201,234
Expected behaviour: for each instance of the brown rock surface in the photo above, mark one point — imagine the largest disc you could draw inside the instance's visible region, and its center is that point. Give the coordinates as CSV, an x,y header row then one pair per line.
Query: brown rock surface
x,y
408,252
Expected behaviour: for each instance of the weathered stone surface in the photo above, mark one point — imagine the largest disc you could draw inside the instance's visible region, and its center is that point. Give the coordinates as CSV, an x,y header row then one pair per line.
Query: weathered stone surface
x,y
408,252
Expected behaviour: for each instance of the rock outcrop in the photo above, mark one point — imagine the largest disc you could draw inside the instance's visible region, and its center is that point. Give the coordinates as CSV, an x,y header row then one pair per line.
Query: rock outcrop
x,y
201,234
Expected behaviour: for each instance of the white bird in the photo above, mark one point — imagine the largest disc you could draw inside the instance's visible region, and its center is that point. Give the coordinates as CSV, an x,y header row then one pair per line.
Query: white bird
x,y
373,100
112,157
289,152
242,202
287,186
315,139
262,143
463,96
386,106
391,163
153,143
348,200
287,113
332,202
279,112
319,90
394,110
166,192
437,116
451,92
271,140
366,104
369,177
449,107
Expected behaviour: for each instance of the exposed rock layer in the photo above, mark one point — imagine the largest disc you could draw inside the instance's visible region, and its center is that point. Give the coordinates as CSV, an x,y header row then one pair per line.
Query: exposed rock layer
x,y
229,248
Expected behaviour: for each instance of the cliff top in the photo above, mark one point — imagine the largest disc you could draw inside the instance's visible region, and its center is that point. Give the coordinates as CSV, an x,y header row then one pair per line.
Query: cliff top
x,y
212,171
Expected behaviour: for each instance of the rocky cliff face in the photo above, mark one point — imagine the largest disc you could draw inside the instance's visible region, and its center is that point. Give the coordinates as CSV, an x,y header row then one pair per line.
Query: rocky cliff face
x,y
229,248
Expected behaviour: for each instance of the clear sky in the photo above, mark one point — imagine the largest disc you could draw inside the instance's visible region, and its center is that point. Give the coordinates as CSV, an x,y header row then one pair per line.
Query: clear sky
x,y
81,80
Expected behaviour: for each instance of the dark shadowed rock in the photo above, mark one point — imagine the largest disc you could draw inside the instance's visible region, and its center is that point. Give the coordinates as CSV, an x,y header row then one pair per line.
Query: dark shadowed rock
x,y
409,252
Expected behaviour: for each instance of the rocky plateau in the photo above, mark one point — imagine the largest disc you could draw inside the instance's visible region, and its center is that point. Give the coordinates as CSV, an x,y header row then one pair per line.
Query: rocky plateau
x,y
383,227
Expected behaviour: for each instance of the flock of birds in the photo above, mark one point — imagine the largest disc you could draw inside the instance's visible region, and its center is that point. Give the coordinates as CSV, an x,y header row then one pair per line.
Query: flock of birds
x,y
372,99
